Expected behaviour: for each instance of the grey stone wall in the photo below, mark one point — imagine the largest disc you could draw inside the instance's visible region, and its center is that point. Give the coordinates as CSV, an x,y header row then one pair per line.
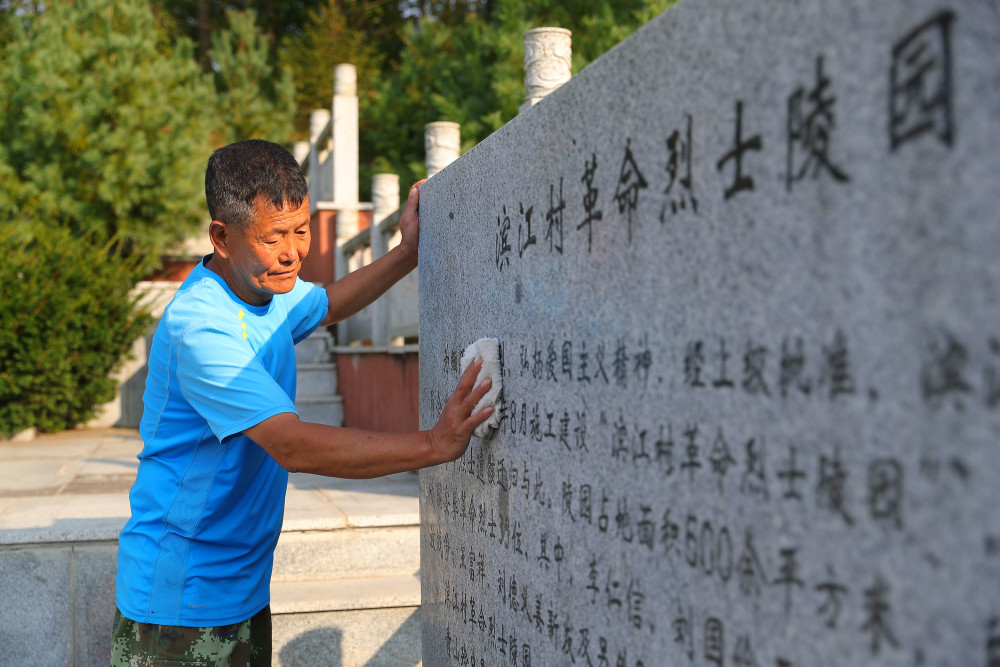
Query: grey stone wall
x,y
744,272
59,603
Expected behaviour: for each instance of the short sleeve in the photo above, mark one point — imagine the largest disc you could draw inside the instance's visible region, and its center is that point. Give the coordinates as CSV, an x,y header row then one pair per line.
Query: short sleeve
x,y
221,377
307,306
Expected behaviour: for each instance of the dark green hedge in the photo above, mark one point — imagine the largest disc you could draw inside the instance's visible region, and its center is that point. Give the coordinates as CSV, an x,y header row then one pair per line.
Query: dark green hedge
x,y
67,322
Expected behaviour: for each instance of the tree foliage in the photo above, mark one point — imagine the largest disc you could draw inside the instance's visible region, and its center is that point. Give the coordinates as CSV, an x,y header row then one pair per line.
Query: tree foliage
x,y
200,20
364,33
254,94
418,60
105,128
463,62
67,321
103,125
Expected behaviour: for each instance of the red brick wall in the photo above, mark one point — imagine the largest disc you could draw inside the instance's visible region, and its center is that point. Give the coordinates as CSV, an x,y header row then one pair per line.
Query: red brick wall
x,y
319,266
380,390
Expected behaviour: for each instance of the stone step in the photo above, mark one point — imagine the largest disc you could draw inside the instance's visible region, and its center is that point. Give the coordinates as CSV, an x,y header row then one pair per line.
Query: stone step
x,y
342,528
347,553
345,588
319,379
367,621
344,594
315,349
326,409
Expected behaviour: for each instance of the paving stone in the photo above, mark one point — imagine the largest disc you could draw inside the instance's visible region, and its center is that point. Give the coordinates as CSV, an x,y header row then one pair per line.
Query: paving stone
x,y
375,638
375,509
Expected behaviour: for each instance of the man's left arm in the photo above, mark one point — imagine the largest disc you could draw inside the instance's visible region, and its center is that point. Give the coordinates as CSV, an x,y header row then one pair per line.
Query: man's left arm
x,y
360,288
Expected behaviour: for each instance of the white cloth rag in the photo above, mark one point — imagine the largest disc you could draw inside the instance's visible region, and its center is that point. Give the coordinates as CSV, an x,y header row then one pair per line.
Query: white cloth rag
x,y
487,349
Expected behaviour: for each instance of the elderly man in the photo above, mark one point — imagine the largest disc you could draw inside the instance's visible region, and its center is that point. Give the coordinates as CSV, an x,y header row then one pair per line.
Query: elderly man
x,y
220,429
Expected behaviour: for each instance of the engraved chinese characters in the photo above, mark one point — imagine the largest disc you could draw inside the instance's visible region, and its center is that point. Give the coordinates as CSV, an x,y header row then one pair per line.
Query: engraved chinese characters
x,y
748,308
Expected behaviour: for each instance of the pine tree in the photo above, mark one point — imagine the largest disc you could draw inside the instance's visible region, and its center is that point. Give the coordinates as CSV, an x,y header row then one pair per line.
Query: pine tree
x,y
104,127
359,32
104,133
255,96
201,20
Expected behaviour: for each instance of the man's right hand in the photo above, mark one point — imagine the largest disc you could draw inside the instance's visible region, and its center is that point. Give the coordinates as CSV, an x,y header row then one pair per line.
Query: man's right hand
x,y
451,435
300,446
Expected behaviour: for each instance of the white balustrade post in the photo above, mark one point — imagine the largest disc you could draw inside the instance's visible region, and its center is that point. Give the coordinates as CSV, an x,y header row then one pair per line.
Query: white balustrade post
x,y
442,145
385,196
318,120
341,269
548,62
300,151
345,150
385,200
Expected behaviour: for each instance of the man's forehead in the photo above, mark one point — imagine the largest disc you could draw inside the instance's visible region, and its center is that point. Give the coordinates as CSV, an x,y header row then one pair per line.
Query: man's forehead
x,y
264,203
266,213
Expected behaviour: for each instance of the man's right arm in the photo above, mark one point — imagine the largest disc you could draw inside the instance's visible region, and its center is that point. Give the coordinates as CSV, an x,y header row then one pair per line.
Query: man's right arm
x,y
300,446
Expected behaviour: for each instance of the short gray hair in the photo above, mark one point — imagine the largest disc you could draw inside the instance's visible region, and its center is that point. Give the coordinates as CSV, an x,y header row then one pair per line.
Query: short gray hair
x,y
241,173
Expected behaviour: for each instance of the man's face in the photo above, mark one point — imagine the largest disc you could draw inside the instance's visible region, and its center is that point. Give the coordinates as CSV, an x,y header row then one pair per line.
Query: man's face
x,y
266,259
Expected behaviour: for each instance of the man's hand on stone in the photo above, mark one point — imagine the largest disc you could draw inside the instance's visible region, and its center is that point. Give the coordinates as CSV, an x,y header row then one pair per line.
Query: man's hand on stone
x,y
451,435
409,220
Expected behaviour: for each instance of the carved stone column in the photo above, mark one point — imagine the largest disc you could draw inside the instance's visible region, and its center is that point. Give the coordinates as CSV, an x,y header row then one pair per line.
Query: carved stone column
x,y
442,144
548,62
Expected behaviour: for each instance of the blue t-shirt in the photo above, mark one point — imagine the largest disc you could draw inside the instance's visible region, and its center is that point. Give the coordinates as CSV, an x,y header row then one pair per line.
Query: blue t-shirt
x,y
207,503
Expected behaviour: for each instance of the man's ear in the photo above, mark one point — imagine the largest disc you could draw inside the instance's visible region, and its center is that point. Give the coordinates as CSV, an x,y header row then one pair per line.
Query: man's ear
x,y
220,235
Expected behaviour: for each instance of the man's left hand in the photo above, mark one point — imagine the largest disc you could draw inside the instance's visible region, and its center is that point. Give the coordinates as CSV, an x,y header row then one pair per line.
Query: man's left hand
x,y
409,220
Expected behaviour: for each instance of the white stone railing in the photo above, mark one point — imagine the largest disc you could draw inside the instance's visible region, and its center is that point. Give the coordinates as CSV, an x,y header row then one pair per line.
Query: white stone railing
x,y
330,158
330,161
393,320
393,316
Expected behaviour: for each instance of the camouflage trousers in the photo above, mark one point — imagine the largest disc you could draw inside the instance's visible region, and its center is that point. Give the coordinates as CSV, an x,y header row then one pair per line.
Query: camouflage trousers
x,y
246,644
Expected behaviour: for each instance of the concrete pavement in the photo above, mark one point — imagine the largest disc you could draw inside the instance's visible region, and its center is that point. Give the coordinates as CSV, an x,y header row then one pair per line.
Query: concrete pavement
x,y
74,486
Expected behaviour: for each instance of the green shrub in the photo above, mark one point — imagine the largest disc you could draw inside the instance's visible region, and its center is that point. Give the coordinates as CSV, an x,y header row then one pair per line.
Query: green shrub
x,y
67,321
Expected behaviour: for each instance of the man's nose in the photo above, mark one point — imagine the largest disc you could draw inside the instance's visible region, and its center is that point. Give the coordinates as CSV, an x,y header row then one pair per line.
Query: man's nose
x,y
290,252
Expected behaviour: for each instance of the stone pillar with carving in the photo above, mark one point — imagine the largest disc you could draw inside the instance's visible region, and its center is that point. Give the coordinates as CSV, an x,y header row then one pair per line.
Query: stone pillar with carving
x,y
548,62
345,150
442,145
